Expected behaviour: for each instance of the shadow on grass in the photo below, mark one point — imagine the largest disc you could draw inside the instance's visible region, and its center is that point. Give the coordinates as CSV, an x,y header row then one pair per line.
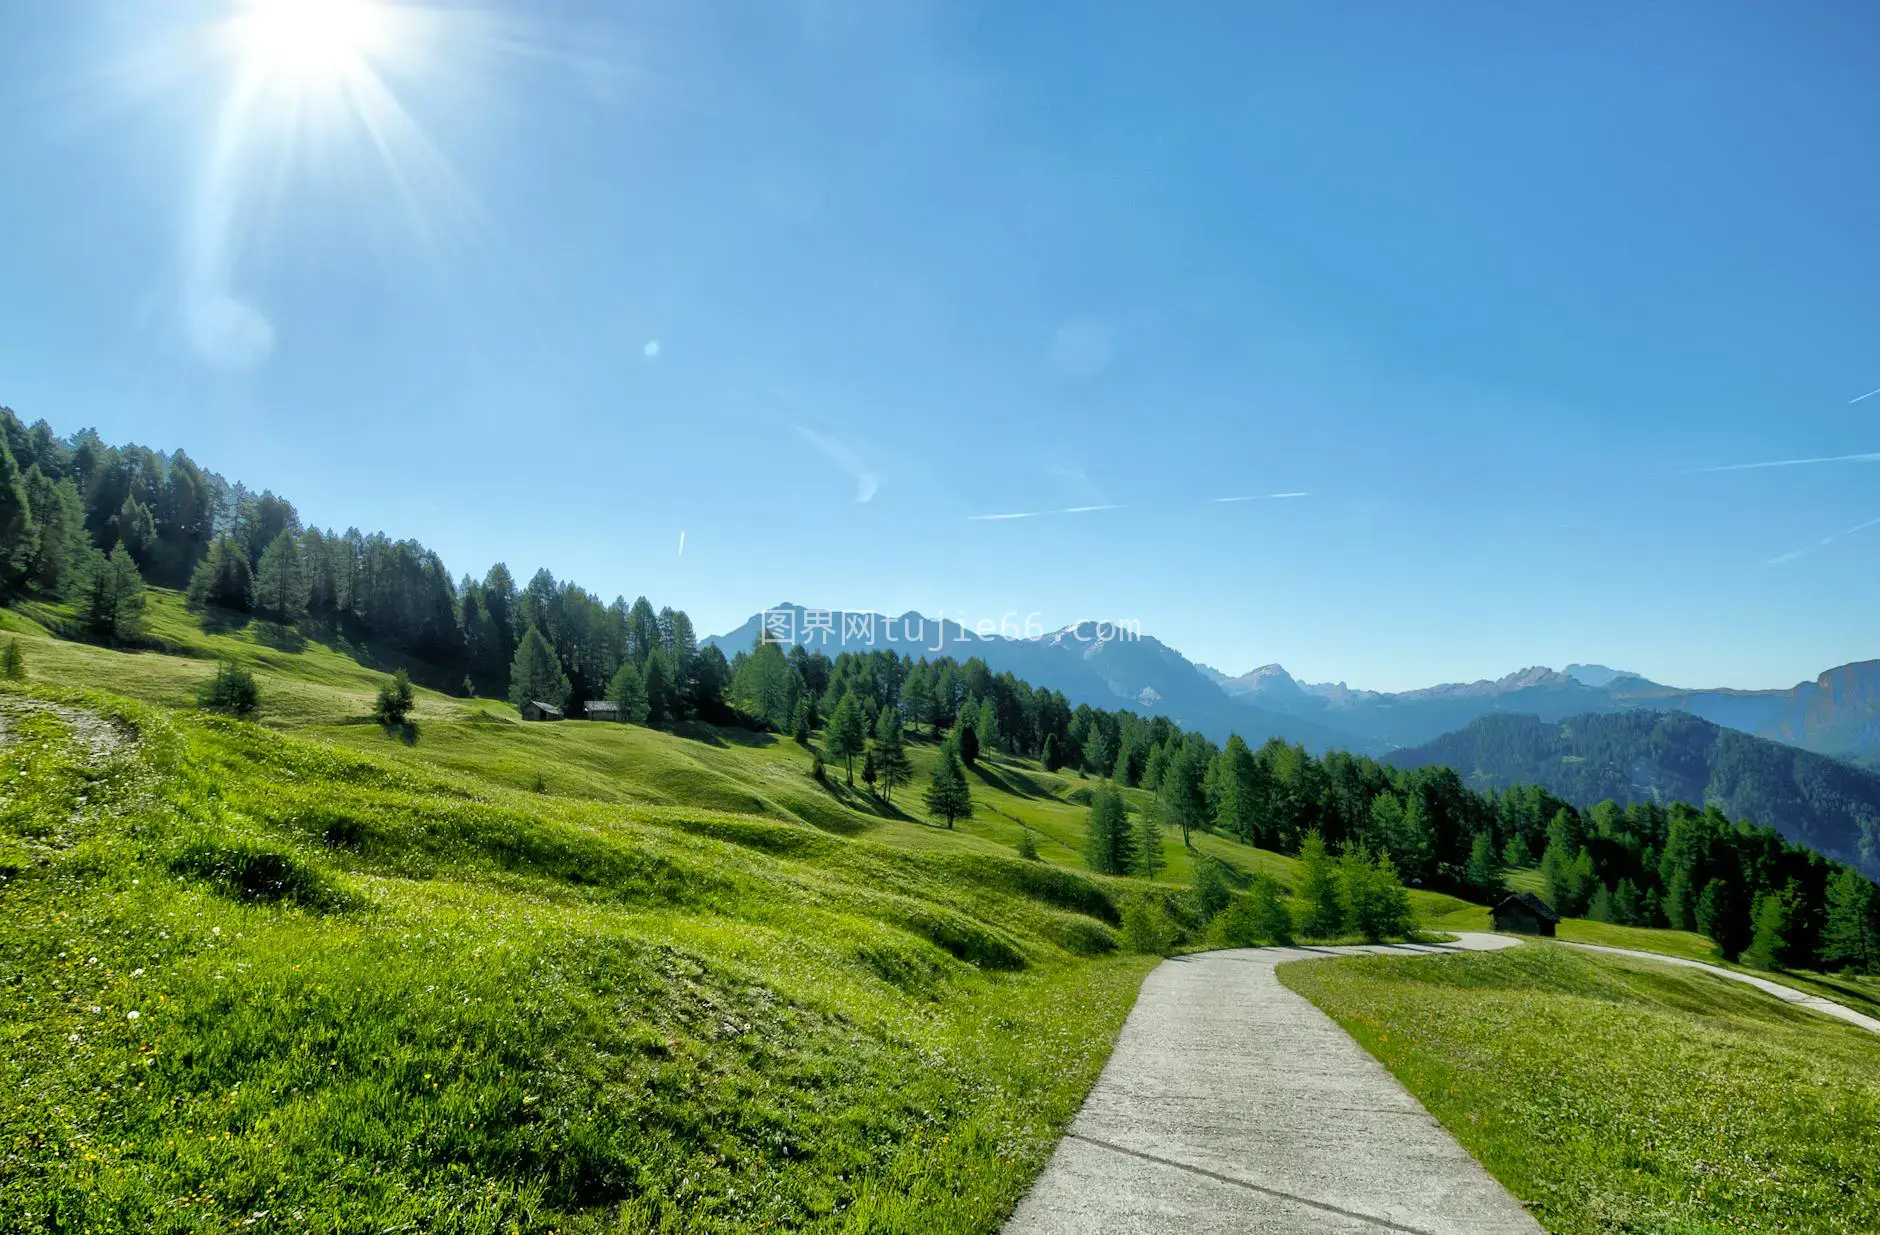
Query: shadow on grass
x,y
280,638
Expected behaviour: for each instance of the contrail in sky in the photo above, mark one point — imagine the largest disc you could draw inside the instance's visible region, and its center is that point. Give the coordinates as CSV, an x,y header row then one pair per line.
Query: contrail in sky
x,y
1868,457
1823,543
1022,514
681,542
1258,497
1034,514
1870,394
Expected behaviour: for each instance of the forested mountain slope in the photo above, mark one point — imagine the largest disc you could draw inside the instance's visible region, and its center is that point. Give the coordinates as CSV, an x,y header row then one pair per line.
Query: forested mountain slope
x,y
1643,756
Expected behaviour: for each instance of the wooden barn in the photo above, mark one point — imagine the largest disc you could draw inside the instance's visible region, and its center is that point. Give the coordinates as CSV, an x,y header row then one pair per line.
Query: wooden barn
x,y
603,709
1524,914
535,709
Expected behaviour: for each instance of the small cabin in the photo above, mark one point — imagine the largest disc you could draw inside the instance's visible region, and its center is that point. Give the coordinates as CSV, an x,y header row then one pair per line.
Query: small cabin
x,y
603,709
1524,914
535,709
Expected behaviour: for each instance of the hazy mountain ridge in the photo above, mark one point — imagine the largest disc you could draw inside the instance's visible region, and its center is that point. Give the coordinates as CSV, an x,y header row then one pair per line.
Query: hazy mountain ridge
x,y
1639,755
1838,714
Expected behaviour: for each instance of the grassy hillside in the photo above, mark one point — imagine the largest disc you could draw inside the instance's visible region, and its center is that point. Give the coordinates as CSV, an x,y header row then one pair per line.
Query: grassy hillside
x,y
1620,1095
478,974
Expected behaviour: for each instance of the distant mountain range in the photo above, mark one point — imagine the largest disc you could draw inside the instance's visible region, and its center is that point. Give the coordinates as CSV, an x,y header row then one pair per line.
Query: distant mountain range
x,y
1642,756
1838,714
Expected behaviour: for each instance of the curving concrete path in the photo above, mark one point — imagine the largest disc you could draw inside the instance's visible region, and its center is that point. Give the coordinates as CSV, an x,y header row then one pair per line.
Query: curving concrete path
x,y
1787,994
1232,1104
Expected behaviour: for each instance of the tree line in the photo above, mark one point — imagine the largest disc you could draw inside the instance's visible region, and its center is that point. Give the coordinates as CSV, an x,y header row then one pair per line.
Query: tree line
x,y
90,523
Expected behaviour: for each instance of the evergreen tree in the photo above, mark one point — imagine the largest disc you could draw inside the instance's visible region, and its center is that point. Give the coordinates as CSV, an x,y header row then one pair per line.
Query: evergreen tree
x,y
847,735
1099,754
13,664
1769,943
891,760
1052,755
232,689
657,681
281,585
222,579
870,773
110,596
1628,907
1148,845
1272,920
1108,844
59,536
1851,937
986,727
536,673
1179,790
1234,790
19,540
966,736
394,701
1482,873
800,727
628,691
1516,855
1316,891
947,795
1210,892
1027,846
1719,915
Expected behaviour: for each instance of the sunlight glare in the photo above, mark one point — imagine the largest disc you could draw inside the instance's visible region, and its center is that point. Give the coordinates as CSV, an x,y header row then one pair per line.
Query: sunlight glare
x,y
310,40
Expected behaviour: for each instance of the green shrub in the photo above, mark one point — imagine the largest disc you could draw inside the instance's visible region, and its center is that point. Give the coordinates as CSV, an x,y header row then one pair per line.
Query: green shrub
x,y
1147,928
13,663
395,700
1027,847
231,690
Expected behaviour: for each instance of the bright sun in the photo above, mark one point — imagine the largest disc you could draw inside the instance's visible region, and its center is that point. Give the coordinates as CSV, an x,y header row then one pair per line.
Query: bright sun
x,y
309,40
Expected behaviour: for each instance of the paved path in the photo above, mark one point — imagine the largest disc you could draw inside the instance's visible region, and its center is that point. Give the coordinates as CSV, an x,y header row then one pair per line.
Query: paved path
x,y
1232,1104
1787,994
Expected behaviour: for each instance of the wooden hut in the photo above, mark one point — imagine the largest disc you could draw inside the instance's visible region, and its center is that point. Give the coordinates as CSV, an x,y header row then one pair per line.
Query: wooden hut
x,y
535,709
1524,914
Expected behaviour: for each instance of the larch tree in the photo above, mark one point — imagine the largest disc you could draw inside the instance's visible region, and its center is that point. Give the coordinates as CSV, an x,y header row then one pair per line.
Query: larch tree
x,y
948,796
1108,845
628,691
110,596
281,584
536,674
1317,891
891,761
847,734
1851,937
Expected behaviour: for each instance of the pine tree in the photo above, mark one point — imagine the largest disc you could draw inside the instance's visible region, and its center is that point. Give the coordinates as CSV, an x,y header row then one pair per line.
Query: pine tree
x,y
891,760
1106,835
1051,755
222,579
1272,920
870,773
847,736
1851,938
628,691
1099,753
13,664
948,795
986,727
800,728
232,689
1316,891
536,673
281,585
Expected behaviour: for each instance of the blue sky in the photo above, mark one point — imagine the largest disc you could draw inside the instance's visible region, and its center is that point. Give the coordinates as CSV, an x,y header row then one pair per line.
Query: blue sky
x,y
553,283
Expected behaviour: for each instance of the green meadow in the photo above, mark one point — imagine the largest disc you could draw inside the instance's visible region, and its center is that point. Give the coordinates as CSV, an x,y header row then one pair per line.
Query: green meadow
x,y
1613,1094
